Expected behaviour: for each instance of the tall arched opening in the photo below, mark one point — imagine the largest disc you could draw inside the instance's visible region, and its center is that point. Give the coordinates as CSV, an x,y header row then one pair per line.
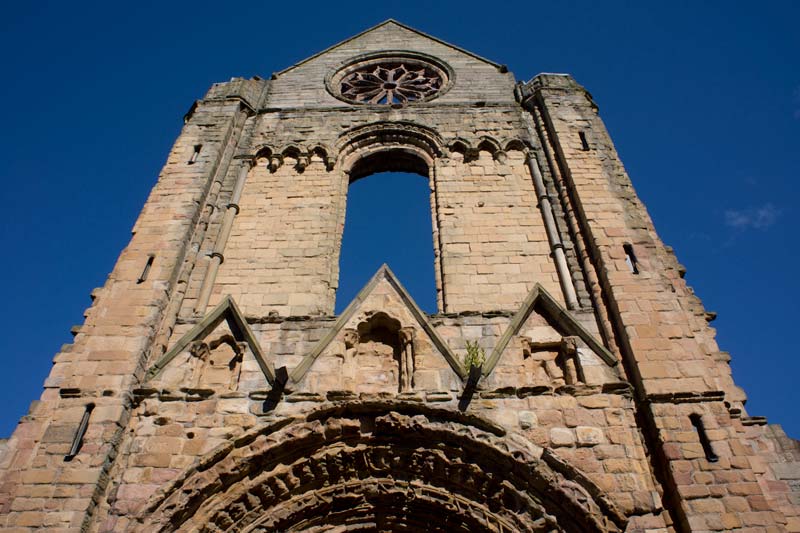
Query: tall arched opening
x,y
390,214
388,220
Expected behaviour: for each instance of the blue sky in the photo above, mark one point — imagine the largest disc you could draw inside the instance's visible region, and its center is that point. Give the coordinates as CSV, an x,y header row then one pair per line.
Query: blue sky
x,y
701,99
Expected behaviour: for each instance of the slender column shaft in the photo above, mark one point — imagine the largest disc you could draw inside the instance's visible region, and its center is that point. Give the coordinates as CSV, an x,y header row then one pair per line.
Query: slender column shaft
x,y
437,236
556,246
595,289
217,256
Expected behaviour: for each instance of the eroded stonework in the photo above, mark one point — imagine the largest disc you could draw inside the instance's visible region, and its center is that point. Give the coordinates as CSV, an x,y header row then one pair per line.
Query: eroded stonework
x,y
568,382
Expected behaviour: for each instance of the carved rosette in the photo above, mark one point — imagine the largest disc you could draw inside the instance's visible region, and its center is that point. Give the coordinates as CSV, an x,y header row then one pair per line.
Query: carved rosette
x,y
391,83
390,79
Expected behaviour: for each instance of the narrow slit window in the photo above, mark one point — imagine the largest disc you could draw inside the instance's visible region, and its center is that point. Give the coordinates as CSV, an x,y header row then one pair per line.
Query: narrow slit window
x,y
630,258
146,269
77,441
697,422
195,153
584,142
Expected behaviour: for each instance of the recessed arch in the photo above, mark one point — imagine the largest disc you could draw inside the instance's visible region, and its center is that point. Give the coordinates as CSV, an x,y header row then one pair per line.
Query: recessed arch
x,y
393,137
489,145
399,147
393,159
389,463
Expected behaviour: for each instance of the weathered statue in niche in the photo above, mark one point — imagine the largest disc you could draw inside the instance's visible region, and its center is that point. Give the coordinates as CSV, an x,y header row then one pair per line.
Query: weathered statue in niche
x,y
379,356
349,359
219,363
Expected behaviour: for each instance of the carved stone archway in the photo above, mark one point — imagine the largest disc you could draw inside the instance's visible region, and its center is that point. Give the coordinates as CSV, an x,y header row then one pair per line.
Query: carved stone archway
x,y
380,466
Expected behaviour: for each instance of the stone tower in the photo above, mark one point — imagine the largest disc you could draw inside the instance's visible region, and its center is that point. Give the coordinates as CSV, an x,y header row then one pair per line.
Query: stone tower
x,y
568,382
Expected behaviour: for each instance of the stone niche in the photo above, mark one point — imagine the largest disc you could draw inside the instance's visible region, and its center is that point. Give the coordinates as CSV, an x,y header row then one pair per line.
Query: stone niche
x,y
378,356
212,364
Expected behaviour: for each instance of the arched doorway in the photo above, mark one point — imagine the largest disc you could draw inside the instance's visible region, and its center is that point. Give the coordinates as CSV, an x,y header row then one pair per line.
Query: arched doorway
x,y
376,466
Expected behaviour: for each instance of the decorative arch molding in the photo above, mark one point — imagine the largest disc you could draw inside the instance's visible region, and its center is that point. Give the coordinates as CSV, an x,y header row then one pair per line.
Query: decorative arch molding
x,y
488,144
515,144
459,145
274,156
414,146
416,141
498,148
380,464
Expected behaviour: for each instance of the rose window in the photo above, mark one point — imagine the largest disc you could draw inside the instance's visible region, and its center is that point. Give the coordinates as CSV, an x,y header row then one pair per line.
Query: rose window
x,y
390,79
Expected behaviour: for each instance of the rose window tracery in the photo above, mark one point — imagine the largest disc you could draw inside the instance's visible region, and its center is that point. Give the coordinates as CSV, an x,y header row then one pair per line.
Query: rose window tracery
x,y
392,79
391,83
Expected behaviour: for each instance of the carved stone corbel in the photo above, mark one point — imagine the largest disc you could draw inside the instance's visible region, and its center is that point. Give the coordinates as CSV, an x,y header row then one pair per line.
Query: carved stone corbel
x,y
275,163
201,351
302,162
568,360
471,154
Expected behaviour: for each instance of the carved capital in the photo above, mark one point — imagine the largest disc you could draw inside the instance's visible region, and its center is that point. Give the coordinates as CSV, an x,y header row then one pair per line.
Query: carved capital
x,y
302,162
351,338
569,346
406,335
200,350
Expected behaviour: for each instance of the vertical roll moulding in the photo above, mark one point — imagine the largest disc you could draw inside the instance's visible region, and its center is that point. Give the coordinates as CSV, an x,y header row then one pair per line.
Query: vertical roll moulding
x,y
436,222
556,246
217,256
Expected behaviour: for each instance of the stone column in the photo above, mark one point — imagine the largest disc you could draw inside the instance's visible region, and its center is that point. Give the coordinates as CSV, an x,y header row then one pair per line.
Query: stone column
x,y
407,362
564,276
217,256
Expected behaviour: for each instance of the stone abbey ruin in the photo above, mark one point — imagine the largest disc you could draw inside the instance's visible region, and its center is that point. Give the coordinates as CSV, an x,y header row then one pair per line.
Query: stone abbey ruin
x,y
568,382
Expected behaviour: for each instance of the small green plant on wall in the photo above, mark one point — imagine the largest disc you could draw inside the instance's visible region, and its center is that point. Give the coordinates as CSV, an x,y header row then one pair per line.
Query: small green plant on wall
x,y
476,355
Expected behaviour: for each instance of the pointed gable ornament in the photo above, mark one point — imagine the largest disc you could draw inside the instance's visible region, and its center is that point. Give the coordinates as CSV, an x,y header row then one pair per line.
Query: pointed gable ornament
x,y
383,273
227,310
388,23
541,301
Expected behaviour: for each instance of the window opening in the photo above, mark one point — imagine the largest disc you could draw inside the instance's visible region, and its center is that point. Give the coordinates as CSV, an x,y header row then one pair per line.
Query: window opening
x,y
77,441
391,83
584,142
146,269
197,148
697,422
388,220
630,258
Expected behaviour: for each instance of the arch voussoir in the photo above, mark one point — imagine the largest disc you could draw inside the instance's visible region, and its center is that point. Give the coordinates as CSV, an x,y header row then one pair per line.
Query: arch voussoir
x,y
378,466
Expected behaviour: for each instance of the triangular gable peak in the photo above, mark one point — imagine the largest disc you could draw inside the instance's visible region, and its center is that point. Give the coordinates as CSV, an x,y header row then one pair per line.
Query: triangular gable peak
x,y
384,274
542,302
229,312
317,82
377,27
